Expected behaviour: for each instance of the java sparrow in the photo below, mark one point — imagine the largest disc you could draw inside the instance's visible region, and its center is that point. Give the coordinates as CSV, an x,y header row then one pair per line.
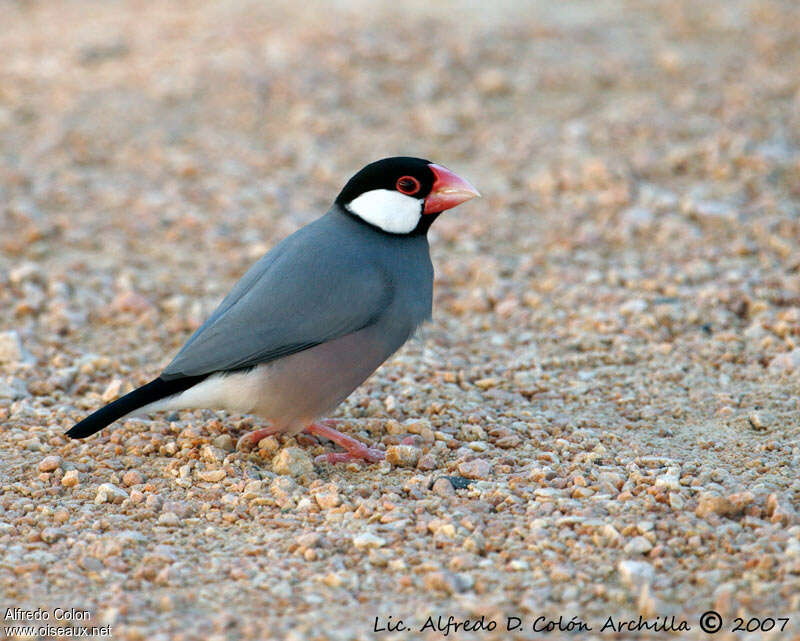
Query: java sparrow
x,y
316,315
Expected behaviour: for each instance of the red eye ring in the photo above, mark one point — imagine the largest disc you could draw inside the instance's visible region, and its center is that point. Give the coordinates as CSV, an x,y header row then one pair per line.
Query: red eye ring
x,y
407,185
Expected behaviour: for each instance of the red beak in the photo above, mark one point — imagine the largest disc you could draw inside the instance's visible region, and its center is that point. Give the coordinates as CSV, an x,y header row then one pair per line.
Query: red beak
x,y
448,191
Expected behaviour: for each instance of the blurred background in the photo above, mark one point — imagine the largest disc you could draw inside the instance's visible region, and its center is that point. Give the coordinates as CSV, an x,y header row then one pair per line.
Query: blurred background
x,y
632,269
162,132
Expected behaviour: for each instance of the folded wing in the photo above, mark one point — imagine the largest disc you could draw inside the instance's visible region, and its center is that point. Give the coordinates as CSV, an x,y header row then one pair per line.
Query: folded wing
x,y
300,294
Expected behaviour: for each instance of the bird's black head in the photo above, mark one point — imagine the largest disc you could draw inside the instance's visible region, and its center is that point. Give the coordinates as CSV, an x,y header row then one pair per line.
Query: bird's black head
x,y
403,195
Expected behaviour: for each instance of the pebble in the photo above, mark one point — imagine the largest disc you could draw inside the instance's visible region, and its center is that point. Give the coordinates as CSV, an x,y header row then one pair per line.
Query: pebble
x,y
712,503
787,362
333,580
71,478
12,388
368,540
225,443
793,549
494,82
427,463
638,545
132,477
52,534
253,489
635,573
443,487
670,481
448,582
182,508
472,433
403,455
27,271
475,469
110,493
33,444
633,307
112,390
761,421
49,463
292,461
612,478
212,454
283,489
11,350
328,498
422,428
780,510
268,445
710,209
170,519
211,476
676,501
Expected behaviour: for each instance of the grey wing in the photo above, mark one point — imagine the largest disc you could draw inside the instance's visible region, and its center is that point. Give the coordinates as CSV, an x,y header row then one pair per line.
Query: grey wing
x,y
299,298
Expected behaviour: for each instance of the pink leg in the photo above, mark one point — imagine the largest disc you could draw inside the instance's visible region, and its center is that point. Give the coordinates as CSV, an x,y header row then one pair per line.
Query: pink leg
x,y
354,450
251,439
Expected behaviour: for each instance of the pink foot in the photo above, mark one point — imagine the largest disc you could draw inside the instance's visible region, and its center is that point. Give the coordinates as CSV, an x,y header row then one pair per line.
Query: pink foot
x,y
251,439
354,450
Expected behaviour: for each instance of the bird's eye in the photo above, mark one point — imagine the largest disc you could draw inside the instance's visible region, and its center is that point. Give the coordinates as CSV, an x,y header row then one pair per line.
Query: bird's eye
x,y
407,185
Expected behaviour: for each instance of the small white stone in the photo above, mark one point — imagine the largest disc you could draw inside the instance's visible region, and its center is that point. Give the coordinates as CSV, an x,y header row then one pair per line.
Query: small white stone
x,y
328,498
112,390
787,362
169,519
292,461
638,545
211,476
12,388
110,493
668,481
761,421
793,549
635,573
368,540
676,501
633,307
25,271
11,350
253,489
49,463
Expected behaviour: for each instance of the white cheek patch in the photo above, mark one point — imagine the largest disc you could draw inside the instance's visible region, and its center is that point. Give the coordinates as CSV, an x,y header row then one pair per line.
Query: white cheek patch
x,y
390,210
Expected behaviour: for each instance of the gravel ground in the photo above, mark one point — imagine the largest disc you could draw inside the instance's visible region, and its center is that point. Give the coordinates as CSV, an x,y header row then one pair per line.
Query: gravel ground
x,y
604,412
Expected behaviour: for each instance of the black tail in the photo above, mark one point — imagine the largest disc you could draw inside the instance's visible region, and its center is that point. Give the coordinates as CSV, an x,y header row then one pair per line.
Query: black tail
x,y
155,390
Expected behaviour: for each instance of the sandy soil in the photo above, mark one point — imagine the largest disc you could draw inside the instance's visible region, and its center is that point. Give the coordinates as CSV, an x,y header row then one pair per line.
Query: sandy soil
x,y
604,410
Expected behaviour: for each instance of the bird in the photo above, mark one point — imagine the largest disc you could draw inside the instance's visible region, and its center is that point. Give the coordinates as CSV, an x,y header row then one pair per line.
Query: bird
x,y
316,315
